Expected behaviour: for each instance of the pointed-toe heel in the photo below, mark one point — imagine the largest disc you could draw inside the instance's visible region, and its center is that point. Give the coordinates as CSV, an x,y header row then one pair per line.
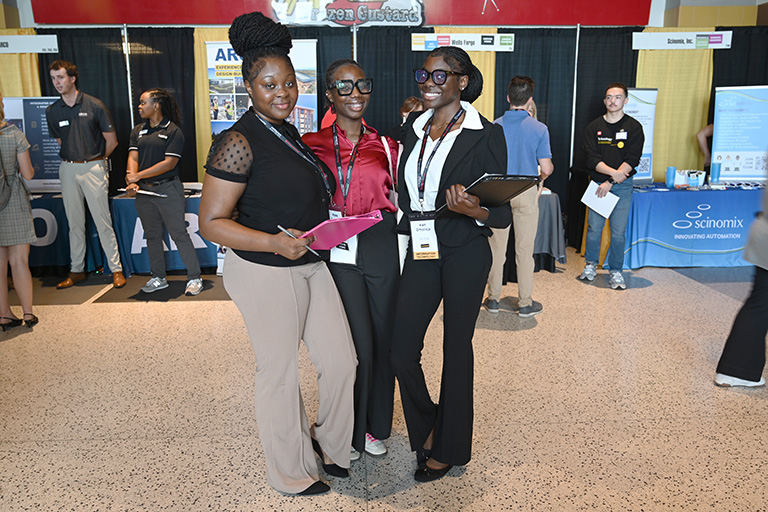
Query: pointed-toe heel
x,y
31,321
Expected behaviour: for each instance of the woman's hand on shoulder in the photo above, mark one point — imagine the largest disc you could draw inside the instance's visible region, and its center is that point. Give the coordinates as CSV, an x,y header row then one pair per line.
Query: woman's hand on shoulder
x,y
291,248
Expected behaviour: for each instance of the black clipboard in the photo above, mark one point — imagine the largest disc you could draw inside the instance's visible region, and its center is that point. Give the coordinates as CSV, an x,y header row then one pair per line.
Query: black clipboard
x,y
495,190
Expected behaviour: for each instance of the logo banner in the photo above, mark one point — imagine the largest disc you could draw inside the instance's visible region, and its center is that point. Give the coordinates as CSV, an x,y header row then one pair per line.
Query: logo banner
x,y
739,142
467,42
642,106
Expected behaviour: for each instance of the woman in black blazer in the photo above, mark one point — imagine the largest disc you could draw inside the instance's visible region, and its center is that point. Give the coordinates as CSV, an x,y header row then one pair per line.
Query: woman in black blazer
x,y
445,149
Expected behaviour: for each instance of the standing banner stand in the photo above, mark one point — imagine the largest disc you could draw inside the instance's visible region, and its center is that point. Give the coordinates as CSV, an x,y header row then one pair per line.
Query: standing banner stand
x,y
642,106
739,142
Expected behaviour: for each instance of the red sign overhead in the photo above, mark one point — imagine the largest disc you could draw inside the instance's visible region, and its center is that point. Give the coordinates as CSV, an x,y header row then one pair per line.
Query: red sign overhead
x,y
535,12
145,12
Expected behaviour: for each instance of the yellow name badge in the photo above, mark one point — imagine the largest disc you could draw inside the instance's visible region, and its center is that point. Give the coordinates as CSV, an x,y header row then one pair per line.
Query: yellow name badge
x,y
424,237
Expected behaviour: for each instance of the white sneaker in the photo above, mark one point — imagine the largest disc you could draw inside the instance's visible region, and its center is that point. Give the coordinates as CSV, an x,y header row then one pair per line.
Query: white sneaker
x,y
589,273
374,446
617,281
154,284
194,286
726,381
353,454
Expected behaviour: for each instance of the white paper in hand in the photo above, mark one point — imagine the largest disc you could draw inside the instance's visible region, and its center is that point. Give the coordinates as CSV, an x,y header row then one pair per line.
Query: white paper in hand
x,y
602,205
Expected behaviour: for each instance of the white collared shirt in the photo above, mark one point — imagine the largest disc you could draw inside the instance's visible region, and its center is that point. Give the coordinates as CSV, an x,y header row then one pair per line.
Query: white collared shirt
x,y
435,171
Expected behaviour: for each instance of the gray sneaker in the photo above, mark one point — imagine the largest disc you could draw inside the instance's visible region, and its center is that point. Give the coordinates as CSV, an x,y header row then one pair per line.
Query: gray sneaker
x,y
528,311
491,305
617,281
194,286
589,273
154,284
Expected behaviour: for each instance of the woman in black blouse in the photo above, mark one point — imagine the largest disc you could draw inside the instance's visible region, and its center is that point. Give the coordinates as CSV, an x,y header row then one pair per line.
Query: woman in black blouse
x,y
285,293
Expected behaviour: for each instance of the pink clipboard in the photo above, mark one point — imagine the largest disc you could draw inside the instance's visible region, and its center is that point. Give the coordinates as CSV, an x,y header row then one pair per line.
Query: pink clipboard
x,y
332,232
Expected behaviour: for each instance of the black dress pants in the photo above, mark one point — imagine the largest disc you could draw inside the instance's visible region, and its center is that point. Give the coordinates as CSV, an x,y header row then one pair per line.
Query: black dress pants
x,y
458,279
368,290
744,352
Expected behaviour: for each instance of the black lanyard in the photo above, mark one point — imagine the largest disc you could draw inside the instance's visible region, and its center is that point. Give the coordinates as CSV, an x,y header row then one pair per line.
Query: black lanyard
x,y
344,184
421,179
302,151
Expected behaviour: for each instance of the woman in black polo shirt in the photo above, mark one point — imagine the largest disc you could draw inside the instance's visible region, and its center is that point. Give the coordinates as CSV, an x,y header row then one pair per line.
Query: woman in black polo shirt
x,y
154,151
262,169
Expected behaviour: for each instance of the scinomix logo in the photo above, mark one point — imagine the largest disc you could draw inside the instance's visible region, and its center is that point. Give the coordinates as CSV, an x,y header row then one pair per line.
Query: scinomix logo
x,y
697,219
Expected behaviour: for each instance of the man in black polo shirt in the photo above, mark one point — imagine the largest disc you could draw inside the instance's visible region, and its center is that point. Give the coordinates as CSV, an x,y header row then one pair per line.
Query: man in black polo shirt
x,y
83,127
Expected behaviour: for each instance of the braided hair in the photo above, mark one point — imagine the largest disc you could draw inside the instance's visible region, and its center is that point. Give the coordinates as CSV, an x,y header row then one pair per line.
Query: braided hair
x,y
332,69
167,102
460,62
255,37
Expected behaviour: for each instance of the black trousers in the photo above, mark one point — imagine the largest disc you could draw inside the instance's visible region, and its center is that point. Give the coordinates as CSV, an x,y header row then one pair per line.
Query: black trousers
x,y
744,352
368,291
458,279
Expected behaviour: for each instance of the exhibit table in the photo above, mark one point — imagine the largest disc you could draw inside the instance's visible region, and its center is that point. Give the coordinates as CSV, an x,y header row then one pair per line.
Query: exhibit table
x,y
686,228
133,246
549,246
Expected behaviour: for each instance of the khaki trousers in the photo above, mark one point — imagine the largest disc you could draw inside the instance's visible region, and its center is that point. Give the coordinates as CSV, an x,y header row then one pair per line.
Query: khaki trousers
x,y
525,221
89,182
281,306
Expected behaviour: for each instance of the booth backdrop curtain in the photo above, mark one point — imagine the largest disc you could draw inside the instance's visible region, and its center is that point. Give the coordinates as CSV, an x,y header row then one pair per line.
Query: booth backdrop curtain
x,y
202,97
98,55
165,58
385,55
19,76
743,64
684,81
547,56
605,56
485,62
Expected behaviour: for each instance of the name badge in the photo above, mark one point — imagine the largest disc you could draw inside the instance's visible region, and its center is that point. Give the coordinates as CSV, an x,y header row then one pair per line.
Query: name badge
x,y
424,236
64,123
621,135
345,252
142,132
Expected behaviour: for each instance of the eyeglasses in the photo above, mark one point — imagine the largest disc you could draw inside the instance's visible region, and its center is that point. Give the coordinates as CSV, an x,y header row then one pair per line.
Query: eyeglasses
x,y
345,87
439,76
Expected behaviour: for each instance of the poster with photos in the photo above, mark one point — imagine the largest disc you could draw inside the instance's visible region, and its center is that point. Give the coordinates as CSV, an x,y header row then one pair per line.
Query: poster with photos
x,y
228,98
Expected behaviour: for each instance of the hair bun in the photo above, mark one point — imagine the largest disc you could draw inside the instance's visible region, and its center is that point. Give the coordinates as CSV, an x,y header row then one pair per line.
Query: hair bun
x,y
254,30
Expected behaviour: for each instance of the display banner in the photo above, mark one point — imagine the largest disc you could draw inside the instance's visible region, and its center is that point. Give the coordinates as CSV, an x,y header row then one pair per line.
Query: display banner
x,y
228,99
681,228
385,13
642,106
498,13
29,115
29,44
468,42
682,40
739,142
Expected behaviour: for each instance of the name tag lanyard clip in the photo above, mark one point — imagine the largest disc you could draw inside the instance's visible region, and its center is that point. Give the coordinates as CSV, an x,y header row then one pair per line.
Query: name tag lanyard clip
x,y
344,183
421,178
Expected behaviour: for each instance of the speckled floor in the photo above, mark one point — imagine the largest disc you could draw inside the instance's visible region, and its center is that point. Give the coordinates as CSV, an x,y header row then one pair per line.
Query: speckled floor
x,y
603,402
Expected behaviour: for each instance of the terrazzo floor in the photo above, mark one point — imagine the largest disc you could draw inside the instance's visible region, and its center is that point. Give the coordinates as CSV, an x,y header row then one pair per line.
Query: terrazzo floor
x,y
603,402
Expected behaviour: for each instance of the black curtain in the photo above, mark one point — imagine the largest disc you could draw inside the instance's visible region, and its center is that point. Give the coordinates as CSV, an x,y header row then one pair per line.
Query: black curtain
x,y
385,55
547,56
332,44
743,64
165,58
98,55
605,56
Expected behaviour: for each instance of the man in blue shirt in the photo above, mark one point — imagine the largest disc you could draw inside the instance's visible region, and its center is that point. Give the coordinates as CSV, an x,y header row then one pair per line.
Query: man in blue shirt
x,y
528,154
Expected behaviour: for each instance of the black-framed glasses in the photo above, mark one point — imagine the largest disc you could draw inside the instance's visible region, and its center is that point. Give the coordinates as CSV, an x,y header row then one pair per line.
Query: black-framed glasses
x,y
345,87
439,76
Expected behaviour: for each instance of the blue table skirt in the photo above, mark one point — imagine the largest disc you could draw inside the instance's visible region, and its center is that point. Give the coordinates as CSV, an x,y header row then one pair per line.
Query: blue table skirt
x,y
681,228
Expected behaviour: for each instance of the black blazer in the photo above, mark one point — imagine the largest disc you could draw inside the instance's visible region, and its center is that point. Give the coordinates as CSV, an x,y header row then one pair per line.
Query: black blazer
x,y
474,153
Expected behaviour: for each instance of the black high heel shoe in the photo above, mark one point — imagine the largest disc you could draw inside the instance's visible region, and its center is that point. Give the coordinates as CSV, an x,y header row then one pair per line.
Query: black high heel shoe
x,y
331,469
427,474
422,454
14,322
30,322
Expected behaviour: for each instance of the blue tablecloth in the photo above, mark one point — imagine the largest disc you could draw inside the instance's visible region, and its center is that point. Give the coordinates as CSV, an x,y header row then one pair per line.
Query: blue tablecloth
x,y
682,228
133,246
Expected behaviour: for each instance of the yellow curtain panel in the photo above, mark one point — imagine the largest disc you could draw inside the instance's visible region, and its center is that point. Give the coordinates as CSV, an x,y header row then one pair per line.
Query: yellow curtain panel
x,y
19,75
485,62
684,81
202,97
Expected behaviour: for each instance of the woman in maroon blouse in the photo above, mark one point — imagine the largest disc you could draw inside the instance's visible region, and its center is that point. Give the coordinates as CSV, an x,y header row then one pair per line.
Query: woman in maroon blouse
x,y
366,268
